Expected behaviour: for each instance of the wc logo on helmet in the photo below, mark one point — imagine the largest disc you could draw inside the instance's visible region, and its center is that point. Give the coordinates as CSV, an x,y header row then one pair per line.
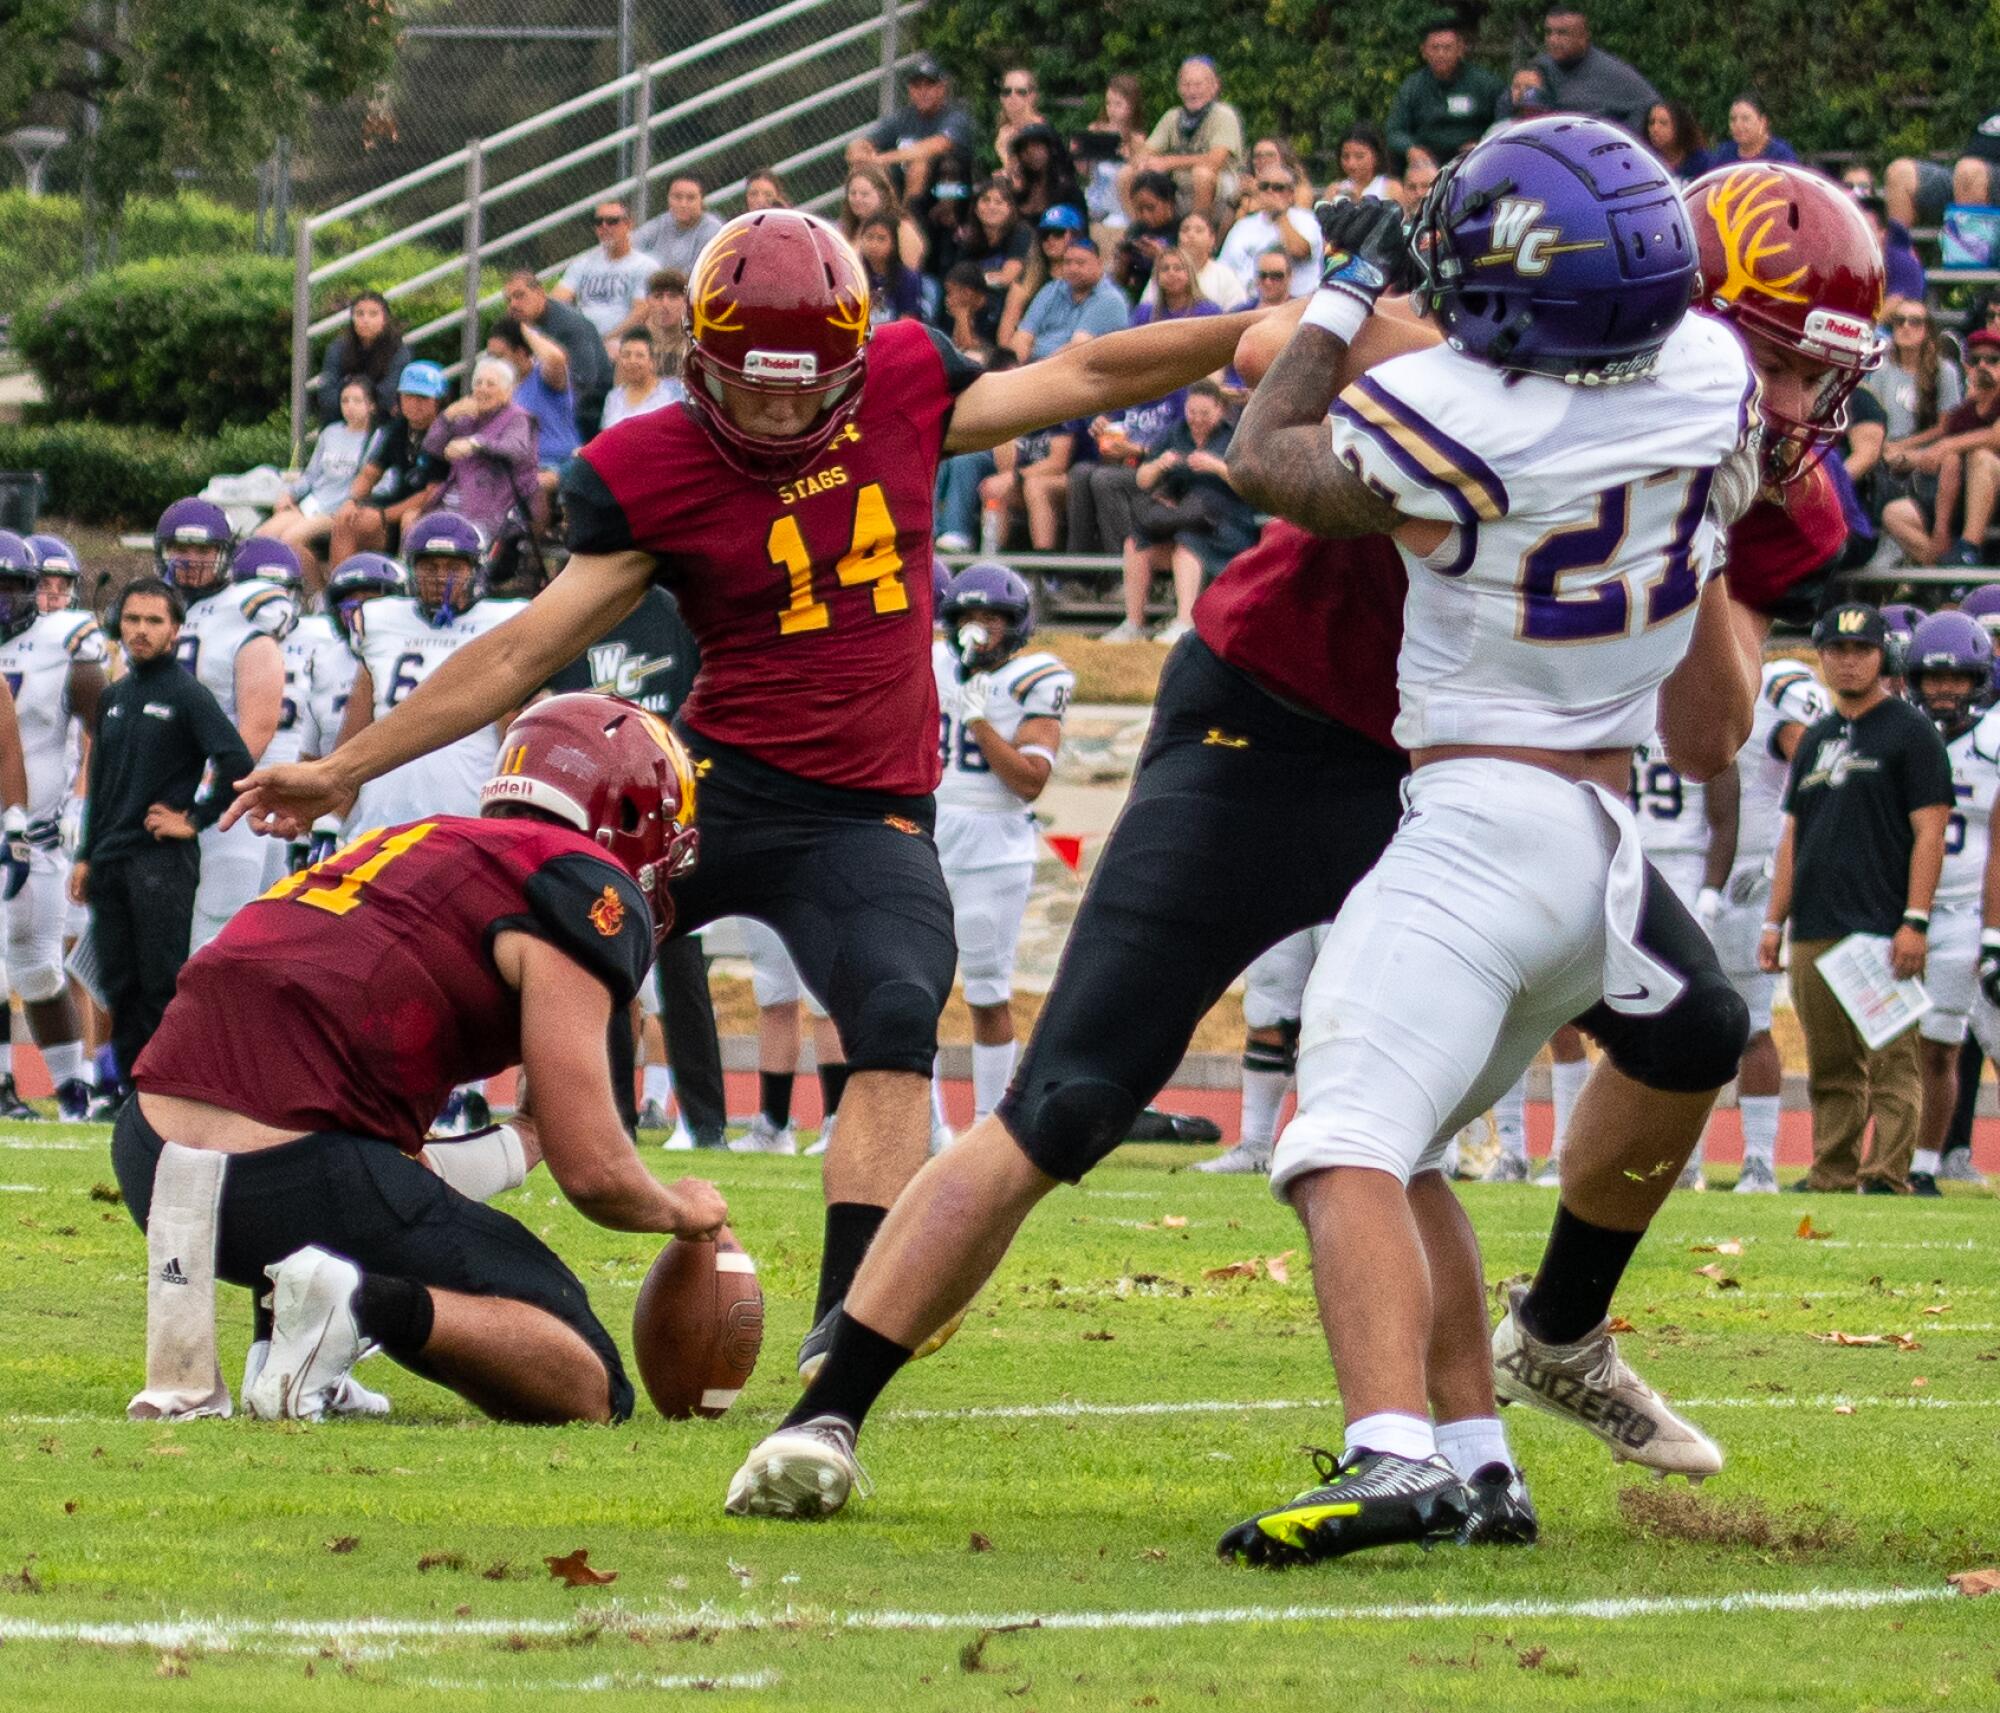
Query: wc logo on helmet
x,y
1746,208
780,366
1518,240
607,915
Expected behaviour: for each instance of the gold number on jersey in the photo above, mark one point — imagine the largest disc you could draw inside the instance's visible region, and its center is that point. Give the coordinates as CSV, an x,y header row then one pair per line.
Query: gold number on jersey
x,y
345,893
871,558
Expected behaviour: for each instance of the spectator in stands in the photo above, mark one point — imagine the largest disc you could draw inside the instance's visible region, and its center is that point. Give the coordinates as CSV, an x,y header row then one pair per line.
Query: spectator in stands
x,y
1917,383
1154,228
764,189
1272,283
962,317
1043,175
1200,141
1918,191
303,518
1032,476
1419,174
1900,261
1173,292
1962,452
1266,153
1212,280
606,282
589,362
998,243
1082,303
926,141
1020,107
1750,136
1857,178
674,239
1583,78
894,291
1676,138
1859,462
1188,518
662,314
1115,137
1052,235
1527,94
541,388
370,345
1364,166
1101,494
1445,105
398,479
1276,220
870,193
489,442
640,387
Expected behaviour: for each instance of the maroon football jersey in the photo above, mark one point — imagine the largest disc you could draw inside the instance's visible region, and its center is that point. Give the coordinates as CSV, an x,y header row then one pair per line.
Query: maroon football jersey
x,y
356,996
1318,623
1776,546
811,599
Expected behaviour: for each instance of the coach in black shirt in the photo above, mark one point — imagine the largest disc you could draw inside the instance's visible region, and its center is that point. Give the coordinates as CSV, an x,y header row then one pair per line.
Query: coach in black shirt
x,y
158,730
1866,807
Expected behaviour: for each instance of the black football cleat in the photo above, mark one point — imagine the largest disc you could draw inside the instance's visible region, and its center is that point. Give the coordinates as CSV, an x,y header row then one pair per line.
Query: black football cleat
x,y
1369,1498
1502,1514
1153,1125
1924,1184
11,1103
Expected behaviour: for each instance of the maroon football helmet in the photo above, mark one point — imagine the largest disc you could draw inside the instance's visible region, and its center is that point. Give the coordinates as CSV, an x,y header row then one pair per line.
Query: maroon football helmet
x,y
612,770
778,304
1786,256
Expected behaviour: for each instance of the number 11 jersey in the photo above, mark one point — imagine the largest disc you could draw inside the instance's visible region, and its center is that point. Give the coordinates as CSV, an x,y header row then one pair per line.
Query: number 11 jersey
x,y
810,598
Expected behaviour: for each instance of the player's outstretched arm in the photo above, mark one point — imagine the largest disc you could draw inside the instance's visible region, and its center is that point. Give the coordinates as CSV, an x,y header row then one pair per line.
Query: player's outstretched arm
x,y
1709,700
479,684
1110,373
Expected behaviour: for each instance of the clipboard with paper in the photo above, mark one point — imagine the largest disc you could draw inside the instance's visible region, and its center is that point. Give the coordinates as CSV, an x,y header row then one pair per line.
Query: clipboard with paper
x,y
1858,972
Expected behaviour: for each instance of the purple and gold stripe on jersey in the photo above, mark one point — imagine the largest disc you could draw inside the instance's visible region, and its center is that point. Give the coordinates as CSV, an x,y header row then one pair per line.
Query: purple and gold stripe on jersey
x,y
1424,452
1041,675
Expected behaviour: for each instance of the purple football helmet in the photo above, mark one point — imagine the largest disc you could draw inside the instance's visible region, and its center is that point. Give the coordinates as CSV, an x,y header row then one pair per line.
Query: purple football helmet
x,y
940,587
988,613
1948,644
19,576
445,535
1558,246
186,529
1902,619
55,557
357,581
1983,604
272,561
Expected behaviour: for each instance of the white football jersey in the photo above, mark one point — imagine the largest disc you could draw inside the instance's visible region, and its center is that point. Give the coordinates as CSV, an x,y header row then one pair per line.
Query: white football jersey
x,y
401,648
1580,516
334,667
312,652
1672,812
1975,780
36,663
218,625
991,826
1789,695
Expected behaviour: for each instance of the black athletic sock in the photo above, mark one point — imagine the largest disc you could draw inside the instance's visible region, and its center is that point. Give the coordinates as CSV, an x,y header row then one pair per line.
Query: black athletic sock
x,y
859,1364
774,1097
1579,1274
832,1085
850,1228
395,1313
260,1321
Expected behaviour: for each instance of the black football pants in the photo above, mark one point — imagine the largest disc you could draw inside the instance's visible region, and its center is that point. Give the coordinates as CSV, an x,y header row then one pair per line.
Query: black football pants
x,y
141,910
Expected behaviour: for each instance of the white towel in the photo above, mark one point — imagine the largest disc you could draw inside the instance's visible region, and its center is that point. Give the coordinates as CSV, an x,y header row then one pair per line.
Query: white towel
x,y
1635,982
183,1374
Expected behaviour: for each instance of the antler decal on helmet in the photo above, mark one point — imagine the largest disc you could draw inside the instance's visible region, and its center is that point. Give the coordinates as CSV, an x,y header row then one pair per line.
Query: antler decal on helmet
x,y
1745,207
710,291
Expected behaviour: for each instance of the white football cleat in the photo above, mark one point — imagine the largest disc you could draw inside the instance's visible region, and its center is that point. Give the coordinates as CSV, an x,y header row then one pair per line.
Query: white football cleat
x,y
800,1472
1691,1178
1551,1177
314,1340
819,1146
1959,1169
1759,1179
766,1138
1590,1384
1238,1162
680,1140
1507,1169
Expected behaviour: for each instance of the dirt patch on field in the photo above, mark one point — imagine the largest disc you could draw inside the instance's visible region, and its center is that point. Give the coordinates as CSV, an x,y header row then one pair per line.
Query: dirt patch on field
x,y
1682,1514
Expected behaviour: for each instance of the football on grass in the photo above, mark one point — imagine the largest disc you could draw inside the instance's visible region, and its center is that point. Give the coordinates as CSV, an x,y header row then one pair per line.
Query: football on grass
x,y
697,1326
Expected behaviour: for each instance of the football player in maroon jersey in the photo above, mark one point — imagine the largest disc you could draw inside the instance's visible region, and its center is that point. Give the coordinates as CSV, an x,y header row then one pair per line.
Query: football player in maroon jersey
x,y
313,1040
787,505
1267,787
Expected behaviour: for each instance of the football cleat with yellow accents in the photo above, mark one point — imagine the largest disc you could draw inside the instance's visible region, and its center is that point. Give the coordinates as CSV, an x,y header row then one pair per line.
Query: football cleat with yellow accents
x,y
1368,1498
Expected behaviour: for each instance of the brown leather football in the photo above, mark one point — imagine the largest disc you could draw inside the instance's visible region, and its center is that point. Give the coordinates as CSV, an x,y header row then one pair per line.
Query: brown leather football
x,y
697,1327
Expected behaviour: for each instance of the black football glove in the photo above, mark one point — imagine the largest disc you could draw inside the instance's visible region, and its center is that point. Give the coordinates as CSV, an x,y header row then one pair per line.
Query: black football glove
x,y
1989,971
1367,248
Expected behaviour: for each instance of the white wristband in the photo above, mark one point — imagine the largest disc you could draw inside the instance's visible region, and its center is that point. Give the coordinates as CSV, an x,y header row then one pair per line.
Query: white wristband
x,y
1340,313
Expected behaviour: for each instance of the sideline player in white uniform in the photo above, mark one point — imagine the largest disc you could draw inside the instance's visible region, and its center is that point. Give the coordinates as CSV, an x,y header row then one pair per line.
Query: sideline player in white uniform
x,y
53,664
231,641
1950,679
999,728
1560,551
1274,991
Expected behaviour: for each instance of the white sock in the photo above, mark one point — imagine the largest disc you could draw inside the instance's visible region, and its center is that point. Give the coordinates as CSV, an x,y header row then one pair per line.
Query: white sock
x,y
1566,1082
937,1094
1510,1121
1926,1160
991,1069
1404,1436
64,1059
6,1058
1469,1445
1263,1100
658,1082
1759,1113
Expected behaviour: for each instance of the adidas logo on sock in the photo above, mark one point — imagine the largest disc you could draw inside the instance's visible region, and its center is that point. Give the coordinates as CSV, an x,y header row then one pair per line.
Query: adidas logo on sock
x,y
171,1273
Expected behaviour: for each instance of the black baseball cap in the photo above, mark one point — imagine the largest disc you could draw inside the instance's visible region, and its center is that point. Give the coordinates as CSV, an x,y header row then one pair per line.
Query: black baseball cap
x,y
1852,621
924,69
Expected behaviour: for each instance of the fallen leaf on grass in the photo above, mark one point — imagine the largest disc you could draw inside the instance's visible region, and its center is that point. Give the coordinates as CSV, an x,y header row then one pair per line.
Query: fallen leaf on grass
x,y
1154,1555
1936,1308
1723,1280
1233,1270
440,1561
107,1193
1173,1221
1620,1324
1278,1267
574,1571
1890,1340
343,1543
972,1657
1728,1246
979,1543
1973,1583
1810,1232
1099,1337
27,1582
1843,1409
1920,1380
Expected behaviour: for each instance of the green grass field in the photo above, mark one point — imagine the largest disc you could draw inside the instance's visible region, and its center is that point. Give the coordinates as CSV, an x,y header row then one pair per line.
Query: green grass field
x,y
1050,1488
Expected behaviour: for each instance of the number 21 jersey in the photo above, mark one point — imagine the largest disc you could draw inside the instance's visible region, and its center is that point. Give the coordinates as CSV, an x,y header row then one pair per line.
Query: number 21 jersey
x,y
810,598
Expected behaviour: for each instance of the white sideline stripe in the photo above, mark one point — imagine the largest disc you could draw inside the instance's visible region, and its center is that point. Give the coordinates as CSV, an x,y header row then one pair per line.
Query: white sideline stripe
x,y
228,1632
46,1147
605,1680
24,1189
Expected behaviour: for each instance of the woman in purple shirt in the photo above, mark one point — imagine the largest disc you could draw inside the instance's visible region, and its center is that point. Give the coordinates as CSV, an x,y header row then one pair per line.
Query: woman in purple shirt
x,y
491,445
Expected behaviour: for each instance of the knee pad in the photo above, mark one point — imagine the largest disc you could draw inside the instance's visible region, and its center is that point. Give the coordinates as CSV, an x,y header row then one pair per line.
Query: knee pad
x,y
1692,1046
1281,1056
895,1029
38,982
1066,1127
